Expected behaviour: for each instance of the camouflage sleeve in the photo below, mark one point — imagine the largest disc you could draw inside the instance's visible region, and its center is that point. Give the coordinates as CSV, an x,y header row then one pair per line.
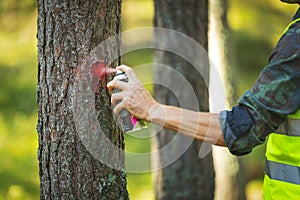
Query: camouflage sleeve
x,y
275,94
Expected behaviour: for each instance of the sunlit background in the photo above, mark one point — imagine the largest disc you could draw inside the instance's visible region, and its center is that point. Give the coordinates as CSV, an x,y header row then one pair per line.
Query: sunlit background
x,y
255,26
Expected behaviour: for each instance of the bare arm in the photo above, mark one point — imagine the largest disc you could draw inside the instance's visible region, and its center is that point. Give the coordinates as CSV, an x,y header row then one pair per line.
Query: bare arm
x,y
134,97
203,126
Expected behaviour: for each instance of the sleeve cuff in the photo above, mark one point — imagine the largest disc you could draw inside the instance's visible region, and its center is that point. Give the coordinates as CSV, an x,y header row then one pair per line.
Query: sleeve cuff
x,y
236,129
229,138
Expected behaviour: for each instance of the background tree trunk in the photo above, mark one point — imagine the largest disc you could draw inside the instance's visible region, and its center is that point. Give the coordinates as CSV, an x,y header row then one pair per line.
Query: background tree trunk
x,y
68,31
229,179
189,177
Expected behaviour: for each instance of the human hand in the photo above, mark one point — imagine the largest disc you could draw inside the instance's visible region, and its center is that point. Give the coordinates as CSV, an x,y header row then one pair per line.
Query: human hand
x,y
133,96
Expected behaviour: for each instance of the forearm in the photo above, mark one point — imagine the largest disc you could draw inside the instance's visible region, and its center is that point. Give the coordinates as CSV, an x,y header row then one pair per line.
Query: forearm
x,y
201,125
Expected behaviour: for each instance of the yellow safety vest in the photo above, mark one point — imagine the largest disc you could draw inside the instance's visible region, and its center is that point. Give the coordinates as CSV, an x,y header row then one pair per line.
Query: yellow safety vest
x,y
282,178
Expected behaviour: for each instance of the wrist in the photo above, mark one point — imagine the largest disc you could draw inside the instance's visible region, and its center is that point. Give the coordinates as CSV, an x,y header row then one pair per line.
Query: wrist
x,y
157,114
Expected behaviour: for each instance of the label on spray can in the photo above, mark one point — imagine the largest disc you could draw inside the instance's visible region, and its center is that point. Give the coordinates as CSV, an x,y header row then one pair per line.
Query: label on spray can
x,y
129,123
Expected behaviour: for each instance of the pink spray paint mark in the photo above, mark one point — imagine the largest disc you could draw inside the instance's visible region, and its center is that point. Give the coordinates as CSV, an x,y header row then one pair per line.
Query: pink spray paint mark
x,y
98,71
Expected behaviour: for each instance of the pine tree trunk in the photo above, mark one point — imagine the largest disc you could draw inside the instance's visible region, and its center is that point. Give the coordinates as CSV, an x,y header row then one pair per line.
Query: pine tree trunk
x,y
189,177
68,30
227,166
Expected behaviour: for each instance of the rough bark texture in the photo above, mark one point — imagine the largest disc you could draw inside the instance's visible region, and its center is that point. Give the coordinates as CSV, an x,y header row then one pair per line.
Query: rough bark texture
x,y
227,166
189,177
67,31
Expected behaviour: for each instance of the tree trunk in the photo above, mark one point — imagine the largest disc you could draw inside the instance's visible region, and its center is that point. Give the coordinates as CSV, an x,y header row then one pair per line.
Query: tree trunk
x,y
68,30
189,177
227,166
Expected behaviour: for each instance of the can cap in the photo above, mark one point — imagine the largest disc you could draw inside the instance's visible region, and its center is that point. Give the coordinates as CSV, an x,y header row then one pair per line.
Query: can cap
x,y
120,75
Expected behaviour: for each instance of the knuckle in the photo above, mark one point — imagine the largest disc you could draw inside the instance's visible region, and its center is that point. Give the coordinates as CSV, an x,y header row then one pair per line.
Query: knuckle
x,y
129,70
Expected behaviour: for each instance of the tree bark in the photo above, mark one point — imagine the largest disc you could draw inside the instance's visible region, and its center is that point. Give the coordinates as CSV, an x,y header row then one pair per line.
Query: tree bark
x,y
189,177
227,166
68,30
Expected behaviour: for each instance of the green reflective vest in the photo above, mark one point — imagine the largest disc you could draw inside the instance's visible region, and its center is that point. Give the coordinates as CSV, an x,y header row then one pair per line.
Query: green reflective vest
x,y
282,178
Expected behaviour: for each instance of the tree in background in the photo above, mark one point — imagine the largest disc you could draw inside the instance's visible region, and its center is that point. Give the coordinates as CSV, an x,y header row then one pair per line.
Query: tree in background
x,y
227,166
67,32
189,177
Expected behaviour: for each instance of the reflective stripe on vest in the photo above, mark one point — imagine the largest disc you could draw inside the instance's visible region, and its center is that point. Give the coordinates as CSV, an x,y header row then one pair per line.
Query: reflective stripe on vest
x,y
283,172
282,179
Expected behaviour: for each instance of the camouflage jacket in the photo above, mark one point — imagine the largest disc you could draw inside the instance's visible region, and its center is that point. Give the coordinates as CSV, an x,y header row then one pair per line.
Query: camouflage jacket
x,y
275,94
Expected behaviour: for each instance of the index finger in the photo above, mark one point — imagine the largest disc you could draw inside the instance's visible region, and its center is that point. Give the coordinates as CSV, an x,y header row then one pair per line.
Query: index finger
x,y
116,84
129,71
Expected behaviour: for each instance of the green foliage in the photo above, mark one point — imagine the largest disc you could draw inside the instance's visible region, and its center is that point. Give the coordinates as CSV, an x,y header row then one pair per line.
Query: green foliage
x,y
12,13
255,28
18,67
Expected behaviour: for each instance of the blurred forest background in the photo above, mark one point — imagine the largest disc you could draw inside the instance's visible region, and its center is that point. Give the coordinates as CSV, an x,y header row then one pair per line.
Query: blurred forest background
x,y
254,28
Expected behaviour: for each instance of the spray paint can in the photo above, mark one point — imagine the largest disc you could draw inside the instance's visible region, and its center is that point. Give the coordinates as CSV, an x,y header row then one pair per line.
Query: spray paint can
x,y
129,123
